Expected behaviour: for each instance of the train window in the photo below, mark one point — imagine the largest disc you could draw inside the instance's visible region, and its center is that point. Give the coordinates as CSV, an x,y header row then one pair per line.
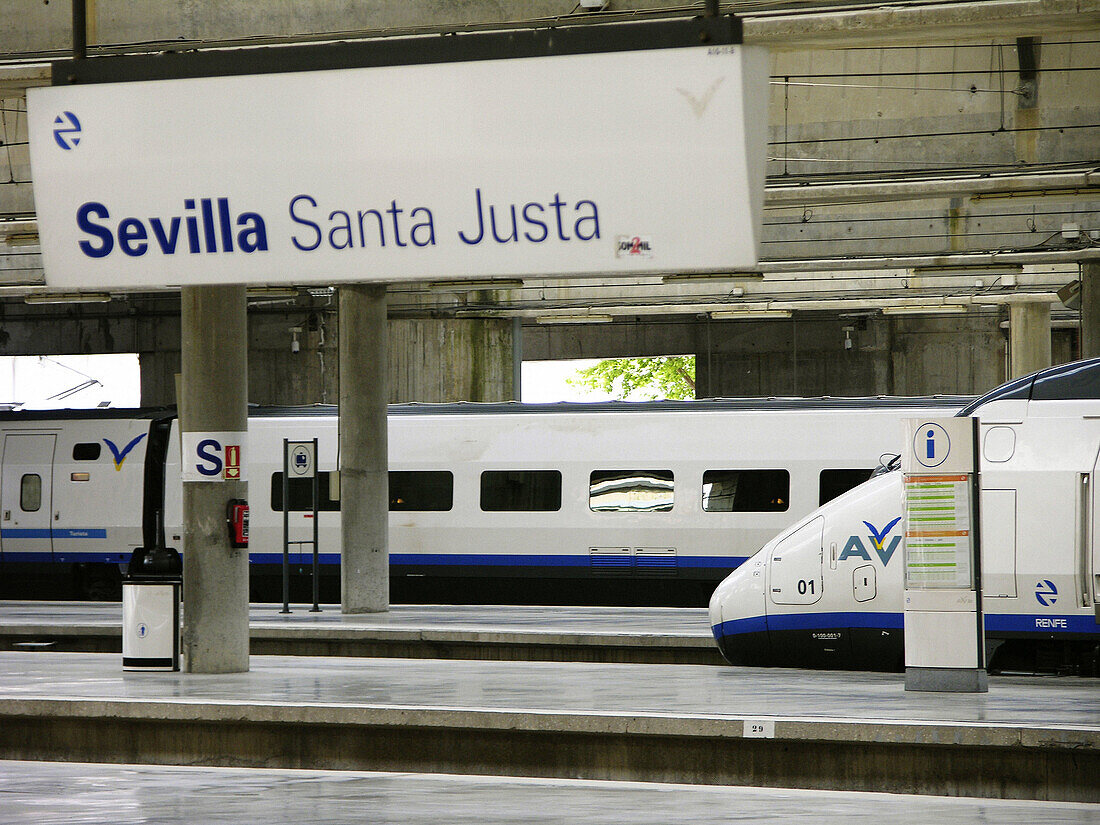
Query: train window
x,y
300,492
521,490
831,483
630,491
1068,384
746,491
30,493
87,451
421,490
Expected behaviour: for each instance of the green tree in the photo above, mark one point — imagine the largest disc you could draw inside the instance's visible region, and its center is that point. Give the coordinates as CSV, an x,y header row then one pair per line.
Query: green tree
x,y
666,376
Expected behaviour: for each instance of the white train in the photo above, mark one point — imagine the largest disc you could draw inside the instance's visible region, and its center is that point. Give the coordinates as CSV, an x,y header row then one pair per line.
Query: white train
x,y
598,503
1040,567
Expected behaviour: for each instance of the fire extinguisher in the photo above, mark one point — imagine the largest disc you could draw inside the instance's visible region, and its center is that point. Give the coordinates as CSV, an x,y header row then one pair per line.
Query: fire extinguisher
x,y
236,519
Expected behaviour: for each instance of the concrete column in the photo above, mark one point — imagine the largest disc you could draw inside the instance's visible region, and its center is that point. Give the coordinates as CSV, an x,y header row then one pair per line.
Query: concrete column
x,y
364,460
448,359
1029,338
214,399
1090,309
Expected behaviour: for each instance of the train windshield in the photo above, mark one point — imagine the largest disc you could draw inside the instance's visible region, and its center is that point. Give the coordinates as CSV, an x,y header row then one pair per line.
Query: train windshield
x,y
1079,380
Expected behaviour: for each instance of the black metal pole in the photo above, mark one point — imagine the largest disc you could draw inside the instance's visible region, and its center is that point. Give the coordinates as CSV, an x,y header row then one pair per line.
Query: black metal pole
x,y
712,8
286,531
976,533
316,552
80,29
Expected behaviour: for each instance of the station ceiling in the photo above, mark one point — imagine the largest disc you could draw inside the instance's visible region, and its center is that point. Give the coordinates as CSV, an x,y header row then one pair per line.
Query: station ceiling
x,y
921,155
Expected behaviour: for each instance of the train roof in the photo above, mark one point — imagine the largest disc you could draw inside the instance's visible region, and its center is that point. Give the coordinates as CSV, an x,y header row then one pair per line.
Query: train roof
x,y
1076,381
946,402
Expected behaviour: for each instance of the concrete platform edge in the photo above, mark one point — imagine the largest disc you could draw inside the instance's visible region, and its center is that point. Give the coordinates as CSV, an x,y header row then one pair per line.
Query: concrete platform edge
x,y
1005,761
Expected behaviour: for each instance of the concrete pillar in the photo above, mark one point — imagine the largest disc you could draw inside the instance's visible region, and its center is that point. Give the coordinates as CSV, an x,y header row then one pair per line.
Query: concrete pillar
x,y
1090,309
364,461
449,359
1029,338
214,399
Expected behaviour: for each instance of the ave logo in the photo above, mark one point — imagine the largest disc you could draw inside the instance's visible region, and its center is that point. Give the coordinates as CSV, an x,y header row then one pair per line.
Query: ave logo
x,y
67,131
213,456
878,540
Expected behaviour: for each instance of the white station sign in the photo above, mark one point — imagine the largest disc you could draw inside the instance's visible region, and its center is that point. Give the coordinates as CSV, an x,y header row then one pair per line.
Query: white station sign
x,y
616,163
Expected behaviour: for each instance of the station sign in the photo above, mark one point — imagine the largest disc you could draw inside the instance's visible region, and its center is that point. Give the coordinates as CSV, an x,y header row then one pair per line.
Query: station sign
x,y
301,458
209,456
618,163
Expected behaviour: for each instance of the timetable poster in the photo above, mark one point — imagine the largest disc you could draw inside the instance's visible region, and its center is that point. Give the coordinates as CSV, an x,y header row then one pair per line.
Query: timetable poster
x,y
938,536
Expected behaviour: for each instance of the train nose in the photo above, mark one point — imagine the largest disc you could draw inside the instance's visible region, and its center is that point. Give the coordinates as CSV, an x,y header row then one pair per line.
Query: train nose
x,y
738,618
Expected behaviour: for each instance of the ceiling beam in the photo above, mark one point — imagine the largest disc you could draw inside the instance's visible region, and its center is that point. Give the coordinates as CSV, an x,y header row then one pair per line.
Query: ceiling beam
x,y
919,24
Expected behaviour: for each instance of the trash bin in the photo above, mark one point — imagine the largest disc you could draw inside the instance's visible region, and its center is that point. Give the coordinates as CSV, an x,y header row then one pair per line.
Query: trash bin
x,y
151,610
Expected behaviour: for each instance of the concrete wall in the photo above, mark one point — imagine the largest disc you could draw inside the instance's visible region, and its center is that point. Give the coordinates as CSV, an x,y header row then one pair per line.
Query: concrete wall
x,y
806,355
430,361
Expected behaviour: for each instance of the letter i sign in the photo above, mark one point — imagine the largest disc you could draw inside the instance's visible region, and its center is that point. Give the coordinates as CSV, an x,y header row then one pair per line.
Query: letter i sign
x,y
232,462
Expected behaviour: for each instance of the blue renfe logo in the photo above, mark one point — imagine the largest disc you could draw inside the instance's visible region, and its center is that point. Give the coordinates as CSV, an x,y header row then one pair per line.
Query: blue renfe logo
x,y
67,133
1046,593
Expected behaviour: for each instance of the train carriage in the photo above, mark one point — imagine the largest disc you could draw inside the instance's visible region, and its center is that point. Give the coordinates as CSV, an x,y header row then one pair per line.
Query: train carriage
x,y
592,503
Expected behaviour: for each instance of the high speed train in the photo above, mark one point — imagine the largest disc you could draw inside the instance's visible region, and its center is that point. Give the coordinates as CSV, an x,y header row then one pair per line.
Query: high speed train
x,y
614,503
828,590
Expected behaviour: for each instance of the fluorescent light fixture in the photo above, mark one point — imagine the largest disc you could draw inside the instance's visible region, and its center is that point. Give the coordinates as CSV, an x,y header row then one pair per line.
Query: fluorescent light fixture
x,y
272,292
968,270
574,319
473,286
714,276
67,298
724,314
924,310
22,239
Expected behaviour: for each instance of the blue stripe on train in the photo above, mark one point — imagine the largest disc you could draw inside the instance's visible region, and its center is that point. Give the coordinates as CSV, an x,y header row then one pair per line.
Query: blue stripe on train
x,y
994,622
53,533
396,559
1037,623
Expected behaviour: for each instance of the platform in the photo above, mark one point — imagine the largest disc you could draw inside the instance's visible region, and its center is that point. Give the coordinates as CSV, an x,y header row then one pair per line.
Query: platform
x,y
35,793
1028,738
580,634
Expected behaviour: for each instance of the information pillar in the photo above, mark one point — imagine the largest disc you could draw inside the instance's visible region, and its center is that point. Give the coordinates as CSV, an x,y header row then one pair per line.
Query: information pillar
x,y
944,638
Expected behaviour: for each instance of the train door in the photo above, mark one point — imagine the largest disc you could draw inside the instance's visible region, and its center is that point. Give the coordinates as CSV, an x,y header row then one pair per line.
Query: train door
x,y
796,565
26,497
1091,556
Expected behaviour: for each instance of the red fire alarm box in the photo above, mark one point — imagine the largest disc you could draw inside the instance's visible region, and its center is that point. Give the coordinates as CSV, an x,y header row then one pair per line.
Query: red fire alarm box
x,y
236,518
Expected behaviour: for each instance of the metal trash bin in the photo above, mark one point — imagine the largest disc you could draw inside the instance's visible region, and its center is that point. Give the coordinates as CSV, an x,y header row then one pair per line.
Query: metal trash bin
x,y
151,610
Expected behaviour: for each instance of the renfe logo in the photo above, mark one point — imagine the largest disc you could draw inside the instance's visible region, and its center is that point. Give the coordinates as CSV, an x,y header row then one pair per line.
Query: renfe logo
x,y
1046,593
884,551
67,133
